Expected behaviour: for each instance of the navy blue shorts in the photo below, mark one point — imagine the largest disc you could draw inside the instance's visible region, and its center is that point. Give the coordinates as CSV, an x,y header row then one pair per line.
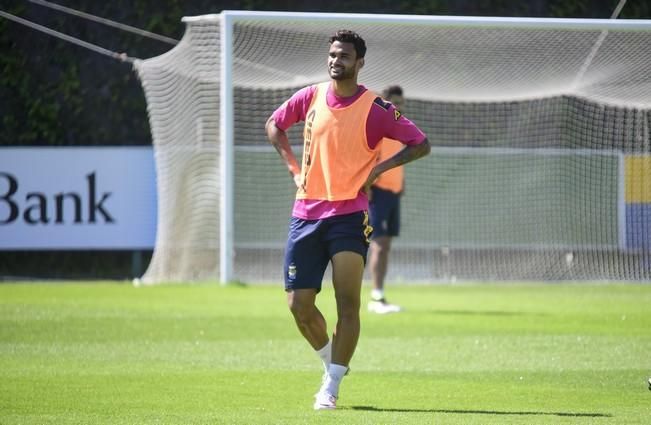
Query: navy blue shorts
x,y
311,244
384,211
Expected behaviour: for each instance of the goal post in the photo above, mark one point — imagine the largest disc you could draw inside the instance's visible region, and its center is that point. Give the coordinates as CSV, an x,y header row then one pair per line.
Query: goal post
x,y
227,133
537,129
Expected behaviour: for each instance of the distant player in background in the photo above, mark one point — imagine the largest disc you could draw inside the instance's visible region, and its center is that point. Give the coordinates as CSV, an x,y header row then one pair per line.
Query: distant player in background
x,y
344,124
384,212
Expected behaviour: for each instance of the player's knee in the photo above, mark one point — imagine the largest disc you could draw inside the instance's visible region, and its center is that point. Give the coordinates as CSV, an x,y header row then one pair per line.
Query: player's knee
x,y
301,310
383,249
348,316
348,306
382,245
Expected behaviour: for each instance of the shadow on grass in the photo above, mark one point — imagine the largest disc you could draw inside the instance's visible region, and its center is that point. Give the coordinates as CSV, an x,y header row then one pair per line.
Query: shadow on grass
x,y
479,412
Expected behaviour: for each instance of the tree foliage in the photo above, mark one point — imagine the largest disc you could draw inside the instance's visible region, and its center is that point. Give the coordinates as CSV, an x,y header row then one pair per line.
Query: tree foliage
x,y
56,93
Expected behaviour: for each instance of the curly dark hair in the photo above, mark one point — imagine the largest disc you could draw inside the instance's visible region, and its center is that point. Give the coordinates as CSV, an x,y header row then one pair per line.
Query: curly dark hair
x,y
348,36
390,91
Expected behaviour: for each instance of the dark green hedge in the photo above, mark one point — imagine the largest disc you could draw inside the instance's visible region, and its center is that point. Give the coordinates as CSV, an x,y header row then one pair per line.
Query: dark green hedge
x,y
56,93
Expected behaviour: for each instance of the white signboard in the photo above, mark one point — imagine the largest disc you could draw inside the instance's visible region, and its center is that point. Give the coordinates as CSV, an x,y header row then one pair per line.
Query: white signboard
x,y
77,198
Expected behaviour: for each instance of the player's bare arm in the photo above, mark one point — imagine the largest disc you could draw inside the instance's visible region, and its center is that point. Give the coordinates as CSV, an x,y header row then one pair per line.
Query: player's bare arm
x,y
408,154
280,142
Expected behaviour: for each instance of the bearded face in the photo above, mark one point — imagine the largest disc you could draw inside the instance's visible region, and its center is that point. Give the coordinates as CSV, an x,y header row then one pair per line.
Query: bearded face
x,y
343,63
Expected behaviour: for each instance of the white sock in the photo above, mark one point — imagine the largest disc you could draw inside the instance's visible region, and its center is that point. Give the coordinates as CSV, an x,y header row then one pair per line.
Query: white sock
x,y
377,294
325,354
336,373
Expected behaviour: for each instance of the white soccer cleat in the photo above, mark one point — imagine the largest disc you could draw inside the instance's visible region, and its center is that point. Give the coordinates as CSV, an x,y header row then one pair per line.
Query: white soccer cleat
x,y
649,384
383,307
325,401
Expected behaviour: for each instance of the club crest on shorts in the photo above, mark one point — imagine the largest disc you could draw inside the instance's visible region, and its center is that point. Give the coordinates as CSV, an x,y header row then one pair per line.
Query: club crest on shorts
x,y
291,271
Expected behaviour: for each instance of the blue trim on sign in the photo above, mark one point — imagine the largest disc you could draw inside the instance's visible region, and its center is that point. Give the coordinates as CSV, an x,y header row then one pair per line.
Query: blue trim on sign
x,y
638,226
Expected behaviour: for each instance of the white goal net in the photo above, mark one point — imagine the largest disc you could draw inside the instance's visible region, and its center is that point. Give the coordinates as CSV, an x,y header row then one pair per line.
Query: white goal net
x,y
541,152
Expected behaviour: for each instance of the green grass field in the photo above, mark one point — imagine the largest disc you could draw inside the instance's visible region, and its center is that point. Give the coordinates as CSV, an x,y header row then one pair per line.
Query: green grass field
x,y
91,353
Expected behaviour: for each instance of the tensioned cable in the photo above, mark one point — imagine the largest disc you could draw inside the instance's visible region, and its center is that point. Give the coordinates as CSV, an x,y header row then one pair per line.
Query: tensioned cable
x,y
597,45
115,55
105,21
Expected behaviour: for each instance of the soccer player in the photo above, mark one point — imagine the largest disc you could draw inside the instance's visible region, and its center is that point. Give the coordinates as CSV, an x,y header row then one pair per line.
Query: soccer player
x,y
344,124
384,212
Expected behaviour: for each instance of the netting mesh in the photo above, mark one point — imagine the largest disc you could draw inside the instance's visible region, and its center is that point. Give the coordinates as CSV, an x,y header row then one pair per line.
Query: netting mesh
x,y
539,168
182,91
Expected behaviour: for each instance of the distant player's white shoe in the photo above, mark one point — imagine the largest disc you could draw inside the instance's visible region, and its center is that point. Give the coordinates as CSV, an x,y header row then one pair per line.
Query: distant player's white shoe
x,y
325,401
382,307
649,384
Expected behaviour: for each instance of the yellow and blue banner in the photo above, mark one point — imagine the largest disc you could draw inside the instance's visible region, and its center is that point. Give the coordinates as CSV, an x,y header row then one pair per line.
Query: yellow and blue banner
x,y
637,198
